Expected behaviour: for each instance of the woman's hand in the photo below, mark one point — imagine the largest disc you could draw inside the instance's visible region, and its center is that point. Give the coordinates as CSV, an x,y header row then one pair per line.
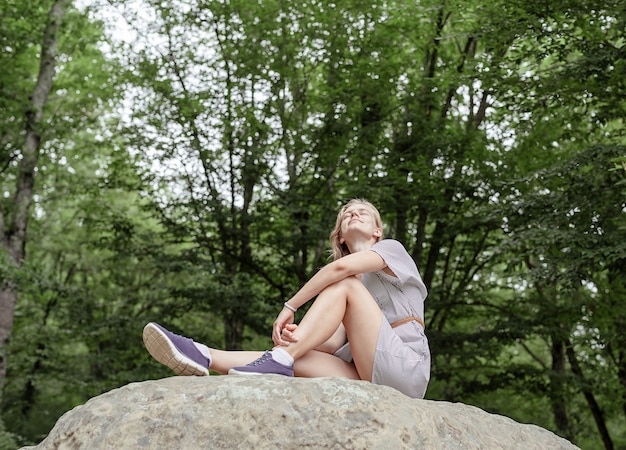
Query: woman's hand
x,y
287,333
282,331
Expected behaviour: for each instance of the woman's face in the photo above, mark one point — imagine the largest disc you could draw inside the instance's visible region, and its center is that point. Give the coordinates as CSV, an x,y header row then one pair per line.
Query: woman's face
x,y
359,219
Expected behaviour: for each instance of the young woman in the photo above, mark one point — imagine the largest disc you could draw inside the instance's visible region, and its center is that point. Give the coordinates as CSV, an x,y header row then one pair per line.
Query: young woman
x,y
371,294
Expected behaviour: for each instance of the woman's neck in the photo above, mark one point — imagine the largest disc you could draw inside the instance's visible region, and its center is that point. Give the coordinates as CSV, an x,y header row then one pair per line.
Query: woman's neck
x,y
360,245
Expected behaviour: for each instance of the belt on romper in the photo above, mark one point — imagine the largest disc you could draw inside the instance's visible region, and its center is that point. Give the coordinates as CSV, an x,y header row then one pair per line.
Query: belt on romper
x,y
397,323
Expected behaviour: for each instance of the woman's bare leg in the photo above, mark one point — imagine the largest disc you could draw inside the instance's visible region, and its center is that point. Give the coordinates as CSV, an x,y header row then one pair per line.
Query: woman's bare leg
x,y
313,364
348,301
223,360
320,364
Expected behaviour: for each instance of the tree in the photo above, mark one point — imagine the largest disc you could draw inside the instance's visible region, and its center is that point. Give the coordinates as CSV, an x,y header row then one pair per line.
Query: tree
x,y
66,97
564,205
14,215
484,131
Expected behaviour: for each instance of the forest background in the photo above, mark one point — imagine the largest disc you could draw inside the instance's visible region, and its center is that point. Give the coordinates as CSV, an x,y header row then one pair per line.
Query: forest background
x,y
183,161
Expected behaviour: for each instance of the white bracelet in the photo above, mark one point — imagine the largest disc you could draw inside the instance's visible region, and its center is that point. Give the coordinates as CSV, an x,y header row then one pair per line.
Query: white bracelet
x,y
289,307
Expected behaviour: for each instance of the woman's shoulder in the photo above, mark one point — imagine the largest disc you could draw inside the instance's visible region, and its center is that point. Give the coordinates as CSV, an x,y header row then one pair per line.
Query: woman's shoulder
x,y
398,260
391,244
390,248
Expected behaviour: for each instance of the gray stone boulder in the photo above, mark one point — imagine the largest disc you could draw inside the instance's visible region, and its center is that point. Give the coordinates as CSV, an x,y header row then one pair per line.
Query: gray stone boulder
x,y
243,412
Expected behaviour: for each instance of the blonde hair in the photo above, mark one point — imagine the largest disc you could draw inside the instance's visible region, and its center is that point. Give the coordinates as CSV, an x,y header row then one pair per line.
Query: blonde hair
x,y
340,250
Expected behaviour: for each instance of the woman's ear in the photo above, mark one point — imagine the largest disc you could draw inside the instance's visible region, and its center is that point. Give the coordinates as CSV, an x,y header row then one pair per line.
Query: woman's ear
x,y
378,232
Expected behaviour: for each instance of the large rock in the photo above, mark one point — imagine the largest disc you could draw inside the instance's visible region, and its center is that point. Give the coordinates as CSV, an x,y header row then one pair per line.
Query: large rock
x,y
232,412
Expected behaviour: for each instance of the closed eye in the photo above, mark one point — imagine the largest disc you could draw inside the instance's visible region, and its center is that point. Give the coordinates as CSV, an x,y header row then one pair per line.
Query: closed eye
x,y
361,212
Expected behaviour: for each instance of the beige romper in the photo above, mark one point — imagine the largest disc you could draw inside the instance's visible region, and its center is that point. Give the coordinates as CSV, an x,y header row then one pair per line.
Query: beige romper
x,y
402,358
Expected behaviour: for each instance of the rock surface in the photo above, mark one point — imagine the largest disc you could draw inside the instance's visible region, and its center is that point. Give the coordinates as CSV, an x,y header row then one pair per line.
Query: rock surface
x,y
230,412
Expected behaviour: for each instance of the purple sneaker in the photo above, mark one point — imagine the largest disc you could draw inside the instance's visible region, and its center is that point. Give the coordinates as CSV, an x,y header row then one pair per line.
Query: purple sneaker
x,y
265,365
176,352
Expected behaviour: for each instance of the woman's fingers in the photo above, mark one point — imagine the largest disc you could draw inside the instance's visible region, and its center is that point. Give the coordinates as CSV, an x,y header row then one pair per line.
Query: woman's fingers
x,y
290,326
287,334
283,334
276,334
282,331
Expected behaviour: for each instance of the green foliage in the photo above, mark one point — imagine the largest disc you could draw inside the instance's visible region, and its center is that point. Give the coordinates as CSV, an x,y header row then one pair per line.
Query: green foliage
x,y
490,135
7,439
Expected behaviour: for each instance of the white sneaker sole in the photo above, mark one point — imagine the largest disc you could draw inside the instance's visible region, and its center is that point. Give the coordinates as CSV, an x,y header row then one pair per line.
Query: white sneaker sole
x,y
236,372
162,349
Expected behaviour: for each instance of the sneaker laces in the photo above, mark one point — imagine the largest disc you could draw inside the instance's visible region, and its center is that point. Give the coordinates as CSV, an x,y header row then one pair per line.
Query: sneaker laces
x,y
267,355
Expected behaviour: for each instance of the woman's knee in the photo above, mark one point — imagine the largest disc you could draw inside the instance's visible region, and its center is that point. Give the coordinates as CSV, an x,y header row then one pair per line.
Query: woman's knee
x,y
349,284
351,289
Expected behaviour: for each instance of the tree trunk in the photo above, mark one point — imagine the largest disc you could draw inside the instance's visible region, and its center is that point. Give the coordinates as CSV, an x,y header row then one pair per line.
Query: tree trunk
x,y
617,283
233,331
557,392
594,407
13,228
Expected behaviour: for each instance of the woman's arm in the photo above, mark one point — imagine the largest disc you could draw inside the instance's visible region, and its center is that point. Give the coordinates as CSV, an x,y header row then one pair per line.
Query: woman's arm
x,y
350,265
353,264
